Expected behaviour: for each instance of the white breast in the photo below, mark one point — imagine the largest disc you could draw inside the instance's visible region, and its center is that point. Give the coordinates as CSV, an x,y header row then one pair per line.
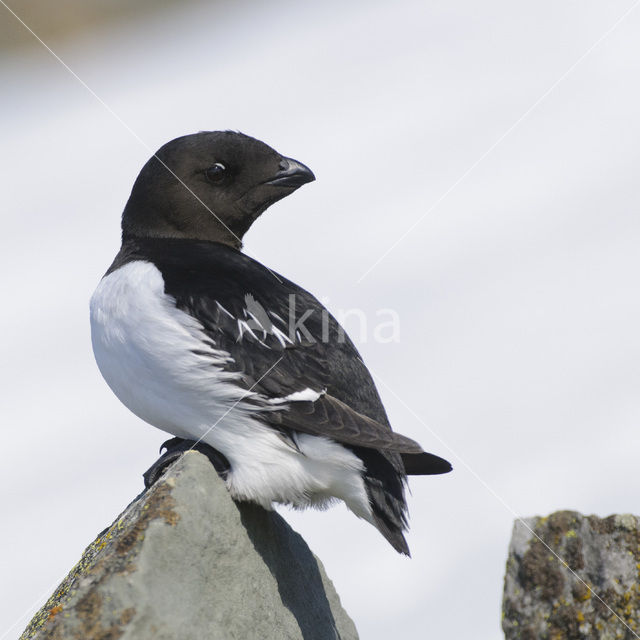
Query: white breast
x,y
159,362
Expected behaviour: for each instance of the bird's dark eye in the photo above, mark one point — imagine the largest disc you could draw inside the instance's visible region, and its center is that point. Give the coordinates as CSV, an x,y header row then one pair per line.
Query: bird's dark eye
x,y
216,172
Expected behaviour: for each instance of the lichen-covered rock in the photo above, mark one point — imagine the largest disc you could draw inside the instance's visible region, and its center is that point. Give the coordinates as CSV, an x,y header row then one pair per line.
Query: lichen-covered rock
x,y
185,561
543,599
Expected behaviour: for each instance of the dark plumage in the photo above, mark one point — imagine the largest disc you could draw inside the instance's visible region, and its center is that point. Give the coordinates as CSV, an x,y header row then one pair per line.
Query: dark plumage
x,y
187,217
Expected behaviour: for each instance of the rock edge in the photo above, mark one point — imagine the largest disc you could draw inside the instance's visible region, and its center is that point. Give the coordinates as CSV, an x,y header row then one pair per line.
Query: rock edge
x,y
544,598
185,561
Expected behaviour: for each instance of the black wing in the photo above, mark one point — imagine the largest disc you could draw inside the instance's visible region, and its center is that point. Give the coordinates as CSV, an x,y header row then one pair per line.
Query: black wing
x,y
283,341
234,297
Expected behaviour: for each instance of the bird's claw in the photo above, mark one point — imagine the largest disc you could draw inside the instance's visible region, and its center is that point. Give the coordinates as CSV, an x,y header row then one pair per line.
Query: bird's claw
x,y
174,448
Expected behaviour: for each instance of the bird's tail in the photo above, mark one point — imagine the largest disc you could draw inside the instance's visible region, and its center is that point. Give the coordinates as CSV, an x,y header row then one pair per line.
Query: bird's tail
x,y
385,480
424,464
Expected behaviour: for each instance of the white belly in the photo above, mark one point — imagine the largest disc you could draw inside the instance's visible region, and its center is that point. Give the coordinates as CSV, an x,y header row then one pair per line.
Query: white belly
x,y
155,359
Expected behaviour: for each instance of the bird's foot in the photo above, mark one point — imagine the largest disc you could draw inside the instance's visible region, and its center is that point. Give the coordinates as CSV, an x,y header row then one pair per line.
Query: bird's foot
x,y
174,448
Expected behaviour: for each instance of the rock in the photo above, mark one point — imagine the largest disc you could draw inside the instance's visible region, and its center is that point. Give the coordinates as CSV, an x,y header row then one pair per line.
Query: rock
x,y
543,599
184,561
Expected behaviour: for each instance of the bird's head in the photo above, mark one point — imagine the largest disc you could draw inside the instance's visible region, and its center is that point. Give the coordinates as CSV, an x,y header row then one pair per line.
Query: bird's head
x,y
210,185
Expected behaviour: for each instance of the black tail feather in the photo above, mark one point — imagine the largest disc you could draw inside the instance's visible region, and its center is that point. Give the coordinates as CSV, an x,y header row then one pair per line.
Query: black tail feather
x,y
384,480
424,464
394,536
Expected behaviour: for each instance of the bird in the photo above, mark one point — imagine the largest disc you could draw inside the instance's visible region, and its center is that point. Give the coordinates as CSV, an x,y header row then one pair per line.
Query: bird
x,y
207,344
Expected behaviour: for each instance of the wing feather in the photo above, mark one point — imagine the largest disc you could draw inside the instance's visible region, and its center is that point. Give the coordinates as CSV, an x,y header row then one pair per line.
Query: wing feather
x,y
247,312
332,418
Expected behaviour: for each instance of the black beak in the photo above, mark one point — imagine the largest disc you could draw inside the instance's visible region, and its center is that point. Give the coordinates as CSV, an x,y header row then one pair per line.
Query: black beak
x,y
292,174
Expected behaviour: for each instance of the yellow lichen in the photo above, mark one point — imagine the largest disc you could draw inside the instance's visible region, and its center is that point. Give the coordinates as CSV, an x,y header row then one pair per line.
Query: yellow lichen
x,y
585,596
54,612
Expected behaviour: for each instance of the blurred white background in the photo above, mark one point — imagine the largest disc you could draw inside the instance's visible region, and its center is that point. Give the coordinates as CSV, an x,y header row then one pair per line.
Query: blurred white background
x,y
517,293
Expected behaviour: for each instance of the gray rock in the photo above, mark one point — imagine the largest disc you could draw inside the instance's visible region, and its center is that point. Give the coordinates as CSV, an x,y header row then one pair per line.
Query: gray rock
x,y
184,561
592,591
